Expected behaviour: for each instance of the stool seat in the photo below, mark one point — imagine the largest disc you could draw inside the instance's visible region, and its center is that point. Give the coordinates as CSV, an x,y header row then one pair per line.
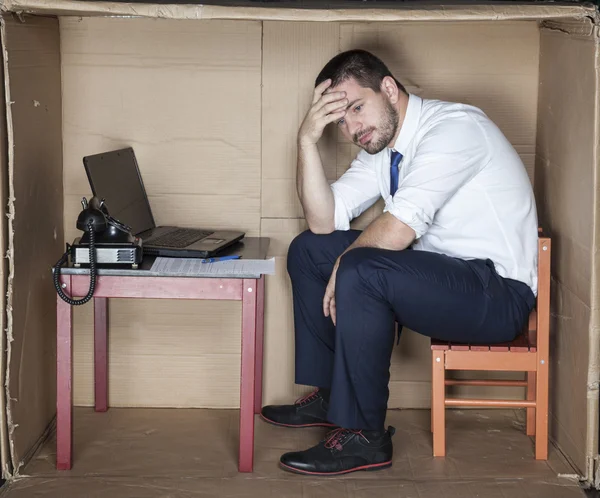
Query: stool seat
x,y
525,342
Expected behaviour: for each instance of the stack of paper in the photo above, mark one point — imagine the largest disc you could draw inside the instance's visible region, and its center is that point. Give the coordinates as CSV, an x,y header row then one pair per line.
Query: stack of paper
x,y
195,267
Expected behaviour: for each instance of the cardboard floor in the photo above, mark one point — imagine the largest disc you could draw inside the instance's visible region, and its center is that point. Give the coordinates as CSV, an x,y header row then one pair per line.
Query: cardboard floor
x,y
176,453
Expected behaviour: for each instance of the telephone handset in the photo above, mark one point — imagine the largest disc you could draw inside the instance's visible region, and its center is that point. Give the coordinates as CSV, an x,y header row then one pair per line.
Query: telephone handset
x,y
105,242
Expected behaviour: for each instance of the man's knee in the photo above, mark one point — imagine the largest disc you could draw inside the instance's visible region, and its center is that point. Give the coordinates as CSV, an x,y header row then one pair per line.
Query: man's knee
x,y
355,265
302,248
370,266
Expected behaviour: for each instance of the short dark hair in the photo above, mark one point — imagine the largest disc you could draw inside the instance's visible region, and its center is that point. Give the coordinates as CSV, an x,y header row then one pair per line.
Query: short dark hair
x,y
367,69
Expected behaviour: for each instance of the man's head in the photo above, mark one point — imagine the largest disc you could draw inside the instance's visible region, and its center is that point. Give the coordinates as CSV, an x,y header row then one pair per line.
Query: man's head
x,y
374,98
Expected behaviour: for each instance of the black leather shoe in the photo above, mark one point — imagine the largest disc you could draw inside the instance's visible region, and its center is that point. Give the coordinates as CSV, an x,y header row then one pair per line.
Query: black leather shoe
x,y
309,411
341,452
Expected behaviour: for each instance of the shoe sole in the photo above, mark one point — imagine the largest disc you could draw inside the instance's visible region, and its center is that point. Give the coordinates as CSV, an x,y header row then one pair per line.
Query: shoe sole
x,y
368,468
318,424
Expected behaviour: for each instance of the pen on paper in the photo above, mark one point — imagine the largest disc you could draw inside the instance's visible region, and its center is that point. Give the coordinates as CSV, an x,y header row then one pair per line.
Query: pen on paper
x,y
222,258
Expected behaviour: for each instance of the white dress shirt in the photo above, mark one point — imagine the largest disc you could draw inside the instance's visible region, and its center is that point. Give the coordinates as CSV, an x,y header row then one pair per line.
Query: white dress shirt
x,y
462,188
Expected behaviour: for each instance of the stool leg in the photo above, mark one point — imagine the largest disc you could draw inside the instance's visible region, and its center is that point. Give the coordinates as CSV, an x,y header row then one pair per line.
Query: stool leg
x,y
432,404
531,396
64,405
541,412
260,331
249,298
439,406
101,353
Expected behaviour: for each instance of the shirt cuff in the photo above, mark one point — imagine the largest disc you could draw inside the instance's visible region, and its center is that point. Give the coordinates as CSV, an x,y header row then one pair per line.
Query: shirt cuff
x,y
341,223
341,219
409,214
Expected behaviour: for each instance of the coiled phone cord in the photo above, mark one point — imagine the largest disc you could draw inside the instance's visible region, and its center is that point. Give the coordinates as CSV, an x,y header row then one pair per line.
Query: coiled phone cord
x,y
64,259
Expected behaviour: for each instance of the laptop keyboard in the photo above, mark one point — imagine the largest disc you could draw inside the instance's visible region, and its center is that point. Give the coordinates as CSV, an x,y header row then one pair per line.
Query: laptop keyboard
x,y
180,237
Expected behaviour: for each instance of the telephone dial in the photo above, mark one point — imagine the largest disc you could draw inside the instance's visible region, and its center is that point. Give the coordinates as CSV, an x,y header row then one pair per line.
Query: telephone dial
x,y
106,242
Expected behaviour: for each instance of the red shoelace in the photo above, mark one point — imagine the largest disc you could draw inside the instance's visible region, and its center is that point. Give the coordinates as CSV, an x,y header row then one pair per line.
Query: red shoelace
x,y
336,437
309,397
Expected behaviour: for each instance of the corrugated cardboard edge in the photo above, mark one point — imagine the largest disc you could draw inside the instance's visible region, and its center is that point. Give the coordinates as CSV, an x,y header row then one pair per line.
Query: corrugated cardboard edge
x,y
593,386
403,13
12,468
4,439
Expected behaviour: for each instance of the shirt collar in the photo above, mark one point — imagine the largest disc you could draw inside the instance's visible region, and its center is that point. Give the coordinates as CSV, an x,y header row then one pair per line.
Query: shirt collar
x,y
410,124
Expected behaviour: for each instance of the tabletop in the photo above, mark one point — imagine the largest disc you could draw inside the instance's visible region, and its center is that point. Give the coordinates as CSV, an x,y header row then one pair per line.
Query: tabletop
x,y
252,252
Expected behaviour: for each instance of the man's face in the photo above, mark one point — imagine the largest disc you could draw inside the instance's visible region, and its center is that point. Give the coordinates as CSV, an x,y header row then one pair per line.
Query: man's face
x,y
371,121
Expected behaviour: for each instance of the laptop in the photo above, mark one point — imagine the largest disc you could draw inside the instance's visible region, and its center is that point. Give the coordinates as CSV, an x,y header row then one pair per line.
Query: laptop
x,y
115,177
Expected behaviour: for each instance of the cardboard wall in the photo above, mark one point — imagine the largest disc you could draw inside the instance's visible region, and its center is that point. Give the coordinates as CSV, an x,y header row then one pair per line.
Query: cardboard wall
x,y
212,110
565,183
33,57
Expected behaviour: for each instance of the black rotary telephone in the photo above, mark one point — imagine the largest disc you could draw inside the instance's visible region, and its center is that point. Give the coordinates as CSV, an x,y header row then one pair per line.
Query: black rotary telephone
x,y
105,242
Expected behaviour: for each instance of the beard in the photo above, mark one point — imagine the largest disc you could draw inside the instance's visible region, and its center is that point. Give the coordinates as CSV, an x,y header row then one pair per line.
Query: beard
x,y
386,131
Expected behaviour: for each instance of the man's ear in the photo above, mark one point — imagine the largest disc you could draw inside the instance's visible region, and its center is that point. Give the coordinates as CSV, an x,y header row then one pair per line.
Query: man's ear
x,y
389,88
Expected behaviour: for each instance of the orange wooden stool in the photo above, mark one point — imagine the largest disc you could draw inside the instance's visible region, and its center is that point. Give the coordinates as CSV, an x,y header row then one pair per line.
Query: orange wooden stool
x,y
527,353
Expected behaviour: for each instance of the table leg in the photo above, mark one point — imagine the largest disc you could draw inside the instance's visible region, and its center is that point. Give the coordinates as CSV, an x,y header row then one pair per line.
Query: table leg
x,y
101,353
249,298
64,414
260,330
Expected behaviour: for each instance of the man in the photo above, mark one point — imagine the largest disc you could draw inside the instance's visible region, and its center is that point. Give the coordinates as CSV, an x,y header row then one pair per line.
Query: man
x,y
456,194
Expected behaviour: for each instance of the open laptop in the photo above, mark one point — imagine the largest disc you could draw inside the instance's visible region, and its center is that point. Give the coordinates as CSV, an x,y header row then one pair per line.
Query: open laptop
x,y
115,177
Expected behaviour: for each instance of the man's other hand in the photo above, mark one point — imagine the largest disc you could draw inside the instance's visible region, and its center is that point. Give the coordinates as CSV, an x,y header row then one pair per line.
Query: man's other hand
x,y
326,108
329,299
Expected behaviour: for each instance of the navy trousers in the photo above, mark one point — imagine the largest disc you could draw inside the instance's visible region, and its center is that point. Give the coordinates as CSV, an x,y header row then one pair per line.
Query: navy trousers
x,y
432,294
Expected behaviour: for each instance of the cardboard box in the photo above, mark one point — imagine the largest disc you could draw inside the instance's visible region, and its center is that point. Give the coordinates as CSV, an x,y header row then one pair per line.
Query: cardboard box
x,y
210,97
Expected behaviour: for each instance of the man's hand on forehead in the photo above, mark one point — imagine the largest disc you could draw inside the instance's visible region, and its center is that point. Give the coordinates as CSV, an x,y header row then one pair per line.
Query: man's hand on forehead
x,y
326,108
325,88
331,90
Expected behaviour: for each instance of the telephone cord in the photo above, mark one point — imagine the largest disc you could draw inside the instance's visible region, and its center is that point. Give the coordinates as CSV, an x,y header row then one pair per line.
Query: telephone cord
x,y
64,259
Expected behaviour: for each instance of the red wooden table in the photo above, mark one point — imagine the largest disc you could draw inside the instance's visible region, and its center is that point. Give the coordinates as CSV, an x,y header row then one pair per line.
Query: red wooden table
x,y
248,290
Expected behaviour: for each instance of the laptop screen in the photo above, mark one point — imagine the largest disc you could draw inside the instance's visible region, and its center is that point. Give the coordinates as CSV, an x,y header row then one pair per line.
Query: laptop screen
x,y
114,176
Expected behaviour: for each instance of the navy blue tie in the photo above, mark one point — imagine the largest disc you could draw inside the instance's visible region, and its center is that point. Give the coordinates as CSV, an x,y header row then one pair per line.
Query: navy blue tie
x,y
396,158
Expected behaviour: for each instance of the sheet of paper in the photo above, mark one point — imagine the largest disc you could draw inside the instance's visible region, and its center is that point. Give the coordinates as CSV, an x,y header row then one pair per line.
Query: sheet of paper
x,y
194,266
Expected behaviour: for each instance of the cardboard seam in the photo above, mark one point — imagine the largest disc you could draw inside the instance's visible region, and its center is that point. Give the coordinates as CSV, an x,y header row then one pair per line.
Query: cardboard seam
x,y
262,89
11,426
557,281
565,455
45,437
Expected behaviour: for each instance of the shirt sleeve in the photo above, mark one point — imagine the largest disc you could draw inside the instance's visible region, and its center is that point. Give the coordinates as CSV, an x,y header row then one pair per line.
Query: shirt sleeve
x,y
355,191
448,156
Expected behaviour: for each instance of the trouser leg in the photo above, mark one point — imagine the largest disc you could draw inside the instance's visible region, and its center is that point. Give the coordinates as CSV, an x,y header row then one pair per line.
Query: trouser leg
x,y
310,262
435,295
